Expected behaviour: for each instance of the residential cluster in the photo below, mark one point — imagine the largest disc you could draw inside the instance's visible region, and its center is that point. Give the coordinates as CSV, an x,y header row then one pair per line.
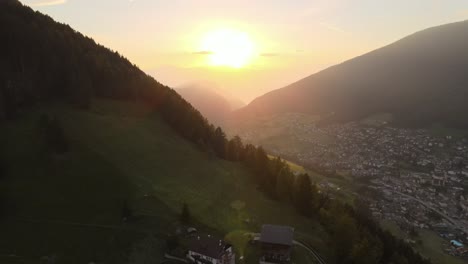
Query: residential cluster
x,y
420,180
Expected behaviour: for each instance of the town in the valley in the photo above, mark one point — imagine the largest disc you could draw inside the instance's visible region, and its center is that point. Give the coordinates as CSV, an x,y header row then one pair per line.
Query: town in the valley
x,y
416,178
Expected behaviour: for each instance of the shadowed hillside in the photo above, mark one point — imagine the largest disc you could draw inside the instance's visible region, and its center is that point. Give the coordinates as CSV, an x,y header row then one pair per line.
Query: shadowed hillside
x,y
420,79
70,205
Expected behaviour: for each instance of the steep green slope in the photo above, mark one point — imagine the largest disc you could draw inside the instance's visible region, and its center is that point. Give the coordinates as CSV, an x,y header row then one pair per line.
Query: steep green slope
x,y
120,152
68,205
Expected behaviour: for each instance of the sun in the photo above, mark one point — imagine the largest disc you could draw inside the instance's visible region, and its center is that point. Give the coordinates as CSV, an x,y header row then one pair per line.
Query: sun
x,y
228,47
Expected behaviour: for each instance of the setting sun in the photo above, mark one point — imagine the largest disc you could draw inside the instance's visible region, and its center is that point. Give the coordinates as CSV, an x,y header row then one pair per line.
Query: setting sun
x,y
228,47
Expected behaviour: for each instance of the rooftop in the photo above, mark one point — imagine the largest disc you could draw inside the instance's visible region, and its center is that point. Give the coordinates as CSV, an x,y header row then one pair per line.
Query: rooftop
x,y
274,234
208,246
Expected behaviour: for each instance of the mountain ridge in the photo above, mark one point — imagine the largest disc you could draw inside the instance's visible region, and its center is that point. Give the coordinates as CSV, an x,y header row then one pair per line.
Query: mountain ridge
x,y
410,73
211,102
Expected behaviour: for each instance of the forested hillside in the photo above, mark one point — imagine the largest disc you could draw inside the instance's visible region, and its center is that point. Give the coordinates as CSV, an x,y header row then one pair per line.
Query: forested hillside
x,y
44,61
68,158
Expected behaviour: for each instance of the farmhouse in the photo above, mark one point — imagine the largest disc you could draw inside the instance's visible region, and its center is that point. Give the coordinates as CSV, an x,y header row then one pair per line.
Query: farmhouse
x,y
276,242
206,249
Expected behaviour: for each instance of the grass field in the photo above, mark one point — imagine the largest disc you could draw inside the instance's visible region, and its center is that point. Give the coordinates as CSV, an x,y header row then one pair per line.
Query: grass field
x,y
432,245
293,166
119,152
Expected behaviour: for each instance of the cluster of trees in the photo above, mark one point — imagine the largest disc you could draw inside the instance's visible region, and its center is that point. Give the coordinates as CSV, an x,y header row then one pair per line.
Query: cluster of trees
x,y
356,238
45,61
353,236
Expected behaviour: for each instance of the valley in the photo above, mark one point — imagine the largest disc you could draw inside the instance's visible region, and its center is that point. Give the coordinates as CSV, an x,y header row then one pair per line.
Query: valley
x,y
416,178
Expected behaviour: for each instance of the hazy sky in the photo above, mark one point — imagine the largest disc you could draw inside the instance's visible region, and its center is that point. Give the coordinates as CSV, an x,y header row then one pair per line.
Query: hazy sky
x,y
291,38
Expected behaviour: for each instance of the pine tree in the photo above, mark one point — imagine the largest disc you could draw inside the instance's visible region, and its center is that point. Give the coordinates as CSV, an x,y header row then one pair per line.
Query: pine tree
x,y
303,194
220,142
284,185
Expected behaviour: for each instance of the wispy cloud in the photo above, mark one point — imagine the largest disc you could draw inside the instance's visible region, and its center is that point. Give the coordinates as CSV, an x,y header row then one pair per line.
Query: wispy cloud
x,y
202,52
48,2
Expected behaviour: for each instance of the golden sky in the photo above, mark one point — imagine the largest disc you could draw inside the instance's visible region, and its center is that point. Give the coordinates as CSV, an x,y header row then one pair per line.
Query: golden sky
x,y
246,47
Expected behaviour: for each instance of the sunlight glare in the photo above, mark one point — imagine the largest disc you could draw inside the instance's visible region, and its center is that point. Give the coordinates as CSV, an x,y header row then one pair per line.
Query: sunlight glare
x,y
228,47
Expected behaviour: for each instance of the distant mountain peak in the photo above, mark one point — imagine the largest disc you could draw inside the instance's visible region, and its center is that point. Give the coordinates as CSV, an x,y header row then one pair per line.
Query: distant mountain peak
x,y
210,100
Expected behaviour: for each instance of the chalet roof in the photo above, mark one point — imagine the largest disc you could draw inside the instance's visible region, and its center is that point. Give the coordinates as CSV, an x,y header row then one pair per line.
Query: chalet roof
x,y
208,246
279,235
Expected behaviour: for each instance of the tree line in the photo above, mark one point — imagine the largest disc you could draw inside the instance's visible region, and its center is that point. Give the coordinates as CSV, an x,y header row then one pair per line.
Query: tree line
x,y
44,61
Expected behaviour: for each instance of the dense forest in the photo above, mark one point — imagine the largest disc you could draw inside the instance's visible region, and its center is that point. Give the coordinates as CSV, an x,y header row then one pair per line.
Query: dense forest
x,y
45,62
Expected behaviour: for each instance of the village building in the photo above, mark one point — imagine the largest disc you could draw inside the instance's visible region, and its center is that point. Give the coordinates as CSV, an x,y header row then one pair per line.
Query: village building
x,y
276,243
439,180
456,243
206,249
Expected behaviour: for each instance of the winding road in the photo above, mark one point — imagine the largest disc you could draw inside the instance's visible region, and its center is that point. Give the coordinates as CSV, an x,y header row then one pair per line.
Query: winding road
x,y
309,249
443,215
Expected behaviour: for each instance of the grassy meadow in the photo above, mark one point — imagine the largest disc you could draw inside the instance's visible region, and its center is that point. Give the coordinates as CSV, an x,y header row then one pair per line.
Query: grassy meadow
x,y
69,206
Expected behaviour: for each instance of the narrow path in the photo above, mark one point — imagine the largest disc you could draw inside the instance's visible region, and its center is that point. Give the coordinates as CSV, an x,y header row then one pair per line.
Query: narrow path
x,y
311,251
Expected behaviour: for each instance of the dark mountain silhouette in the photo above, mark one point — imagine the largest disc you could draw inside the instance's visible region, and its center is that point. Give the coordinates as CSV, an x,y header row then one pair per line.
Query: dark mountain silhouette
x,y
43,61
211,102
421,79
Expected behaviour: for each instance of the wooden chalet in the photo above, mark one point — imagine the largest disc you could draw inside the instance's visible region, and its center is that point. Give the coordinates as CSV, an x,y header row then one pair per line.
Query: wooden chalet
x,y
276,243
